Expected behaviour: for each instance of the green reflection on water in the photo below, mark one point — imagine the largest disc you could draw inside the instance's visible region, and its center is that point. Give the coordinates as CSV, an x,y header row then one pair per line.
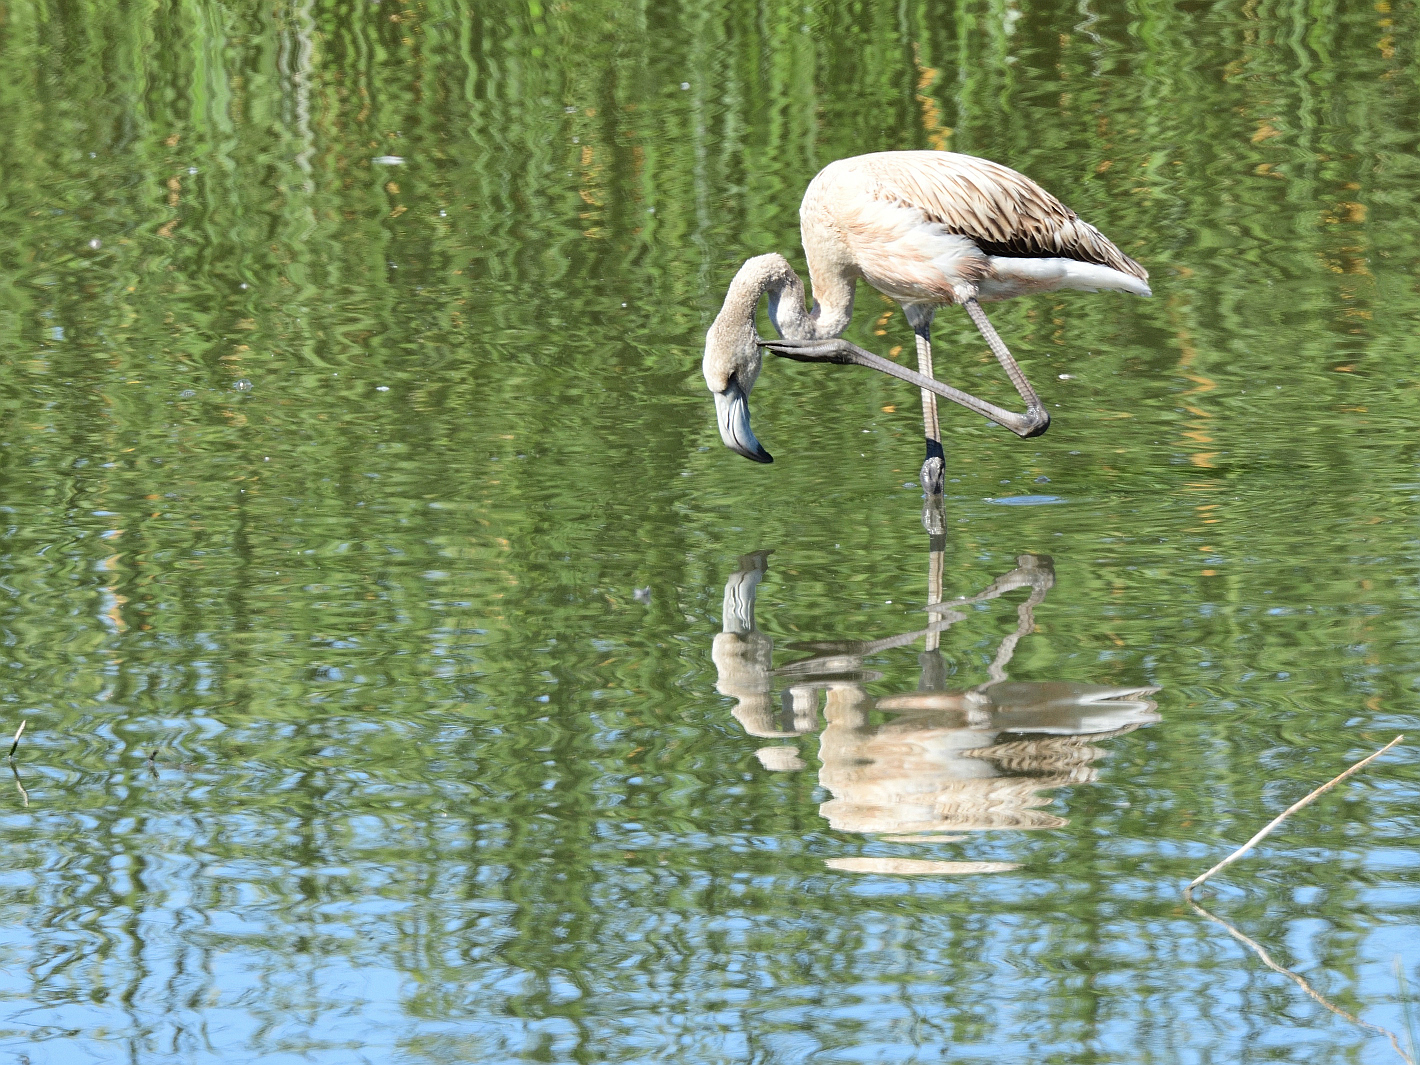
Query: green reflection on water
x,y
351,388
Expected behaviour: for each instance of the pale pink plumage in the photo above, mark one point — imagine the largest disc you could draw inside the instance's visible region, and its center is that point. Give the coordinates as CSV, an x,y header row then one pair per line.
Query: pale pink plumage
x,y
931,227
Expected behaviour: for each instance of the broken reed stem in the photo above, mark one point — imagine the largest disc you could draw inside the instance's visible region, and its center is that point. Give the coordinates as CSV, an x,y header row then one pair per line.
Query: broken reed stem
x,y
18,733
1230,859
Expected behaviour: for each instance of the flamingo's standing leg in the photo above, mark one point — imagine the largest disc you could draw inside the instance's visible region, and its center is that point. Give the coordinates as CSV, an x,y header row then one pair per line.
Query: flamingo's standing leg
x,y
919,316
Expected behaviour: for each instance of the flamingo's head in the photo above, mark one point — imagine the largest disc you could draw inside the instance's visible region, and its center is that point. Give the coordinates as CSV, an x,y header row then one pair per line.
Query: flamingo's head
x,y
731,366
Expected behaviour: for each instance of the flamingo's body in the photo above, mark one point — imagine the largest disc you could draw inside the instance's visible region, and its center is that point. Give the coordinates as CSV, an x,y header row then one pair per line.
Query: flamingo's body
x,y
928,229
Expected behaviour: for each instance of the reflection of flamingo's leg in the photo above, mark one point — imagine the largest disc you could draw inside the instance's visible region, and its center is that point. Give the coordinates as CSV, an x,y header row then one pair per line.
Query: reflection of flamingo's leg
x,y
936,558
934,670
1025,622
1035,570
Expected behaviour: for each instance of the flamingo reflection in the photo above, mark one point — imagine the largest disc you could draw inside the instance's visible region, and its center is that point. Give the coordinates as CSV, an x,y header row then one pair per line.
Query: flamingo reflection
x,y
945,761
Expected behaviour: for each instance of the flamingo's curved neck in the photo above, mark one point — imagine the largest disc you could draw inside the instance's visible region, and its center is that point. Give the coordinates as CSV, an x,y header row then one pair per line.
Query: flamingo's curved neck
x,y
833,301
771,274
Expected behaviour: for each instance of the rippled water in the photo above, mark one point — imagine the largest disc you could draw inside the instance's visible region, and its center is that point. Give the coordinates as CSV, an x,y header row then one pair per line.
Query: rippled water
x,y
411,675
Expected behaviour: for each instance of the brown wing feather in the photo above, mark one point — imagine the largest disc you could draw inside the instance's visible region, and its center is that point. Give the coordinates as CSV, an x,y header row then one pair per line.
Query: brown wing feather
x,y
1004,212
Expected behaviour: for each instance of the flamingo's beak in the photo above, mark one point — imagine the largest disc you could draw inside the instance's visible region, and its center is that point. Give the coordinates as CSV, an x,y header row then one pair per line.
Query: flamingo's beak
x,y
732,415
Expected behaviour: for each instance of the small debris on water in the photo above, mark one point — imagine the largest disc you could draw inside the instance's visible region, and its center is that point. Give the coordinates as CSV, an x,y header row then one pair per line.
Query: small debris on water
x,y
388,160
96,244
684,85
382,388
1067,377
242,385
642,595
1042,479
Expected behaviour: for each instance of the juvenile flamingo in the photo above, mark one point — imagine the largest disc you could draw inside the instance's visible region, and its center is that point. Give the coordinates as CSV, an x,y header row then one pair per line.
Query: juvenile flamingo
x,y
928,229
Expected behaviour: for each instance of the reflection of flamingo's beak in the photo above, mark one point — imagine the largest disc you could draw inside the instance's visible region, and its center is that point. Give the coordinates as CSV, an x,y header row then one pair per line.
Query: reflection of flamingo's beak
x,y
732,416
1068,708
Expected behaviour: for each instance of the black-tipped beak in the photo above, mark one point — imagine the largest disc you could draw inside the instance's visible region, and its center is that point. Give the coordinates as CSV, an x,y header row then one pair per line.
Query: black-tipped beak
x,y
732,415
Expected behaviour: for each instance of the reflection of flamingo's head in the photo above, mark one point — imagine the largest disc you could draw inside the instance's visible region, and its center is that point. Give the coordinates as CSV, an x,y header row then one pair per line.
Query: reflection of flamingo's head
x,y
742,654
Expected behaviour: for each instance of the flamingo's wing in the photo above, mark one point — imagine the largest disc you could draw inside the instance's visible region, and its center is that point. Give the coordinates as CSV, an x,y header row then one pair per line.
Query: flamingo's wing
x,y
1003,212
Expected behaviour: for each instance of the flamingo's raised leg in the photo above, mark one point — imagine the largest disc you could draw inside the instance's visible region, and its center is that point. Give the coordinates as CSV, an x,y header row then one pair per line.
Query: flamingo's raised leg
x,y
1035,410
1032,423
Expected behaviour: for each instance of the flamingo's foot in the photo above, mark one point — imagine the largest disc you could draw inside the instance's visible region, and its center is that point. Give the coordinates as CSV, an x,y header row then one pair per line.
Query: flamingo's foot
x,y
932,475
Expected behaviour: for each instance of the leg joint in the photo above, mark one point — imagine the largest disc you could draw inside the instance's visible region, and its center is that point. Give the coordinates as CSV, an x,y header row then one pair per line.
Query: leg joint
x,y
1035,423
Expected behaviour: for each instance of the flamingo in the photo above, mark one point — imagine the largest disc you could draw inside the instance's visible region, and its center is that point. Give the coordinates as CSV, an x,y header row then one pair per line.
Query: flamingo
x,y
927,229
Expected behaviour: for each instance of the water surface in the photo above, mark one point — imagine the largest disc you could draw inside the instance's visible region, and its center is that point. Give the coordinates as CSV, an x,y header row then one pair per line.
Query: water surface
x,y
351,394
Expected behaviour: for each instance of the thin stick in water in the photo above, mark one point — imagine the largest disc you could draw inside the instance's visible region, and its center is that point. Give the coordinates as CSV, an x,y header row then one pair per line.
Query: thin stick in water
x,y
18,733
1257,948
1230,859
